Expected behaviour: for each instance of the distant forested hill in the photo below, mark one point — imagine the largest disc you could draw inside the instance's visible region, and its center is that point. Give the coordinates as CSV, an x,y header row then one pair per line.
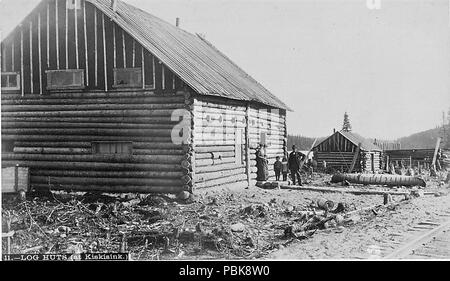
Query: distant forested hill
x,y
425,139
301,142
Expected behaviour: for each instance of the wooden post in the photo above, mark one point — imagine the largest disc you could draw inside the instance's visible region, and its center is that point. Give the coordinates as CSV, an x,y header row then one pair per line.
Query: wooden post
x,y
39,51
67,37
163,77
3,58
433,163
48,35
57,34
124,50
153,70
21,61
247,143
13,66
114,45
31,57
355,157
16,177
410,161
134,54
85,45
95,47
143,67
76,36
104,53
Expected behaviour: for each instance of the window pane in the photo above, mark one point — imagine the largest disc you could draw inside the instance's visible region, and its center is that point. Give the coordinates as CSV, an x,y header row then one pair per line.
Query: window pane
x,y
12,81
4,78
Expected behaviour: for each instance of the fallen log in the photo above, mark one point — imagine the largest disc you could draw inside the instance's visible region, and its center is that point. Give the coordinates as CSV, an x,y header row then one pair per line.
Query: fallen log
x,y
341,190
380,179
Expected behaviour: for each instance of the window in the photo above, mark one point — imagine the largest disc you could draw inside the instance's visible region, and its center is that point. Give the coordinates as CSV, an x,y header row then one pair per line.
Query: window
x,y
65,79
10,81
127,78
73,4
112,147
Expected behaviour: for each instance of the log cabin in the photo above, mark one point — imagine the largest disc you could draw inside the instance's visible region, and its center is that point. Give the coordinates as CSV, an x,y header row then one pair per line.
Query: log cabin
x,y
343,149
98,95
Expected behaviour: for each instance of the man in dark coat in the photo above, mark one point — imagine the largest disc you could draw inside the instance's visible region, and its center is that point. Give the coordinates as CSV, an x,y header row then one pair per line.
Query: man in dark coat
x,y
294,162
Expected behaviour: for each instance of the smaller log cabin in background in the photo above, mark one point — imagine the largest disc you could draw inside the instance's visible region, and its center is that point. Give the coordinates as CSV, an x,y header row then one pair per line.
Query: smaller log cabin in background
x,y
339,149
96,95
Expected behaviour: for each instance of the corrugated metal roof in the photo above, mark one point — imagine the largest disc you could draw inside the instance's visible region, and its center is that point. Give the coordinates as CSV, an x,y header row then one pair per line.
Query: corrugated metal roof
x,y
196,61
356,139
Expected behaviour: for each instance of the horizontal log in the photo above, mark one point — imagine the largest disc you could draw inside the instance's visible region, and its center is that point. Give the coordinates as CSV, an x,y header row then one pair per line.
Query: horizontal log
x,y
68,144
84,138
107,174
216,155
214,148
214,142
115,120
108,158
89,95
221,181
209,162
214,168
89,131
51,150
106,181
90,113
109,188
158,152
71,107
117,100
218,174
71,150
235,185
92,165
85,125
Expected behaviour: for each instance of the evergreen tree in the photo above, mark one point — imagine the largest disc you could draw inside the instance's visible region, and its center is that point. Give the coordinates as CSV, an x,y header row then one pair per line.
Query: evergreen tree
x,y
346,127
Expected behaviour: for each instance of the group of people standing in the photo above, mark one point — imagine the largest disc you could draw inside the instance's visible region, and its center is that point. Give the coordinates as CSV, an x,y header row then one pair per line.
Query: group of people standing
x,y
291,164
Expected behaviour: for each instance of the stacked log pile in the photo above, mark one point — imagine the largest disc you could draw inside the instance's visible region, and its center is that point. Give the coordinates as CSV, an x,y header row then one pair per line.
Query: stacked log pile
x,y
53,135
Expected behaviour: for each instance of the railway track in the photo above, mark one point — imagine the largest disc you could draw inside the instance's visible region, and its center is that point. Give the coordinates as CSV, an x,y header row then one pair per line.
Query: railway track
x,y
429,239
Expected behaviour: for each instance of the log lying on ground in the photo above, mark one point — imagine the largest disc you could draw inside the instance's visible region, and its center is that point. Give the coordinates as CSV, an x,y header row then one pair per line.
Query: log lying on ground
x,y
380,179
341,190
109,188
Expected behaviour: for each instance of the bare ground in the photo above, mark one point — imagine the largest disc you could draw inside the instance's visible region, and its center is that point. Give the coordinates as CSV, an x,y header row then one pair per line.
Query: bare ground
x,y
162,227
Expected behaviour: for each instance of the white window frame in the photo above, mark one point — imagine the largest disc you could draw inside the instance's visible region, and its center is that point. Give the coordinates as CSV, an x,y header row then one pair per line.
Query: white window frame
x,y
65,87
8,88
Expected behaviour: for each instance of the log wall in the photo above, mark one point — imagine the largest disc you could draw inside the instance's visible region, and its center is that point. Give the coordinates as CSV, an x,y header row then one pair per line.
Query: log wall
x,y
53,134
55,37
226,134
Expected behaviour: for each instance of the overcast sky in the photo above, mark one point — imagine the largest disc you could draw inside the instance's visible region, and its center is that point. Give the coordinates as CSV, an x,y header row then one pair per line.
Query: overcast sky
x,y
388,67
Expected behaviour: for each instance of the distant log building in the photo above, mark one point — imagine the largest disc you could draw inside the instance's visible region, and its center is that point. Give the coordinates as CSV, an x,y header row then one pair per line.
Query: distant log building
x,y
100,95
340,149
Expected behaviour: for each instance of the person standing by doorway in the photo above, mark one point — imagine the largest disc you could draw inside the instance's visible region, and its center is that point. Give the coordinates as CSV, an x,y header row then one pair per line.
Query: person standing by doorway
x,y
294,162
